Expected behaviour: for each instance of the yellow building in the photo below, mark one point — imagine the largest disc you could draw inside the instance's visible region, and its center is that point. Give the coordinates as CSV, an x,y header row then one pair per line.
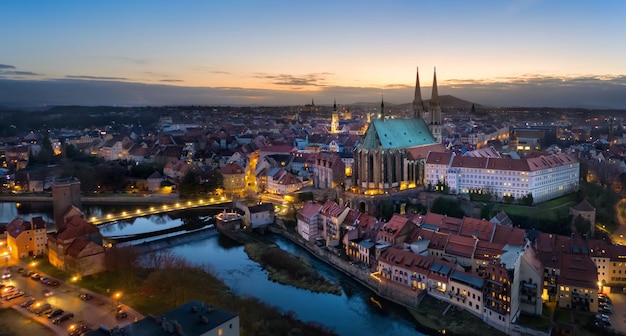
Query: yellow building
x,y
26,239
234,179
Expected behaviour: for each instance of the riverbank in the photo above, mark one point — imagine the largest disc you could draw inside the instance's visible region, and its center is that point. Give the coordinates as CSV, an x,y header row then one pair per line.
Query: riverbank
x,y
174,281
430,318
288,270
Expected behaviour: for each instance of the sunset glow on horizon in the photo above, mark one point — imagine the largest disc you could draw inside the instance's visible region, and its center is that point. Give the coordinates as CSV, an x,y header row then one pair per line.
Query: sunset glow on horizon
x,y
310,47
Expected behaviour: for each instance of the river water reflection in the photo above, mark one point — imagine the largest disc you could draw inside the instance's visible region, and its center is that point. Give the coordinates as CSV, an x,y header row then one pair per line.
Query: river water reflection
x,y
355,312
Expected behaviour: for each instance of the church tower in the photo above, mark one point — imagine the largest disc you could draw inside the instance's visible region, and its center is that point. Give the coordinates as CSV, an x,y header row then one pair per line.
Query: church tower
x,y
334,122
382,108
418,103
435,125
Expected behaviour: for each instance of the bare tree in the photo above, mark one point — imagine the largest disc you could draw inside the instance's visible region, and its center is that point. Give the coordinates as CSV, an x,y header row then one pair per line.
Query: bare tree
x,y
605,172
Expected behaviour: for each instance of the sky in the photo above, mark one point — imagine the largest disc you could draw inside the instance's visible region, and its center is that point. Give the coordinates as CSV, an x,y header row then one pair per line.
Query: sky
x,y
557,53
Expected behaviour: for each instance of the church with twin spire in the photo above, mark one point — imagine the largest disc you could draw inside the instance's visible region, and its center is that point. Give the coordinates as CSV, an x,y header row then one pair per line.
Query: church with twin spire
x,y
391,155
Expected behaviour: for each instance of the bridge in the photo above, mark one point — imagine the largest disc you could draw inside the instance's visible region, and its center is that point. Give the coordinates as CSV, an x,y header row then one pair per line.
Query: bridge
x,y
215,202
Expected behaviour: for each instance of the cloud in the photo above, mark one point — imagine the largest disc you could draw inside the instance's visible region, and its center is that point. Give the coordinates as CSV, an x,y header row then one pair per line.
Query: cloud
x,y
527,91
6,66
313,79
19,73
171,80
95,77
211,70
131,60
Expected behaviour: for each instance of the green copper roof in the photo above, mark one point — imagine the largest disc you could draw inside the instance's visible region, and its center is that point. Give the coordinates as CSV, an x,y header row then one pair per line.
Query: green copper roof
x,y
397,133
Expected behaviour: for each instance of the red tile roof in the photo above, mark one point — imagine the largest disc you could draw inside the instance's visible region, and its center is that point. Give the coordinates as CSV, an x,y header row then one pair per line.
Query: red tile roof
x,y
439,158
231,169
76,247
509,235
482,229
578,271
310,209
332,209
76,227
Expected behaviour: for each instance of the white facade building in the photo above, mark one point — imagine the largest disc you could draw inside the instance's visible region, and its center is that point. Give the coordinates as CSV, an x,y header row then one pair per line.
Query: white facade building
x,y
545,177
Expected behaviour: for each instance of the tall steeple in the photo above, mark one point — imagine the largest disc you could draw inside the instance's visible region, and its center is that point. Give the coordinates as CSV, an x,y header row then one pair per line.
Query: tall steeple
x,y
418,103
382,107
334,121
435,105
435,126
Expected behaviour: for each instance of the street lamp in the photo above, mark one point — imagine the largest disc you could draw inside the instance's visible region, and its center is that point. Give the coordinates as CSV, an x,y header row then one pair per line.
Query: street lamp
x,y
118,296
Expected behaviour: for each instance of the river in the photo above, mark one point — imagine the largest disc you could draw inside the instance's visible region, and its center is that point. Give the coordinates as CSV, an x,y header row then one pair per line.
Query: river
x,y
357,311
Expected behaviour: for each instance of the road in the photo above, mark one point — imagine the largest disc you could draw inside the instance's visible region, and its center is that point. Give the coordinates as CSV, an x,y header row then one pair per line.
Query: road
x,y
98,311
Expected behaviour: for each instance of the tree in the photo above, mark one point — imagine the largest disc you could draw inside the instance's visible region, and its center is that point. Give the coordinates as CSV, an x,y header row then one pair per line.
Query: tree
x,y
527,199
216,180
190,186
448,207
46,153
605,172
508,199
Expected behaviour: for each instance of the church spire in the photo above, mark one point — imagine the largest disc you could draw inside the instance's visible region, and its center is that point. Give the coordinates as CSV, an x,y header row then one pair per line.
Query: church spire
x,y
418,103
435,105
382,107
334,120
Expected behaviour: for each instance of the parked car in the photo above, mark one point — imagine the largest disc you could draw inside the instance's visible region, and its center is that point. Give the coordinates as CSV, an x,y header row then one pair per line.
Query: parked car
x,y
35,276
6,275
605,310
53,283
48,292
63,318
604,299
8,291
55,313
44,280
605,319
28,302
15,295
85,296
42,309
78,328
121,314
20,270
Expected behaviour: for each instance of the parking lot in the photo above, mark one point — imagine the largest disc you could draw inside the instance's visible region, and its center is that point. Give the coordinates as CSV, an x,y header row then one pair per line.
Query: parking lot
x,y
618,318
37,295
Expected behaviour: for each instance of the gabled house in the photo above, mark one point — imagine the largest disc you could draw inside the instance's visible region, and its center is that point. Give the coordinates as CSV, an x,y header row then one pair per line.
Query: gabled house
x,y
234,179
328,171
332,215
154,182
404,268
396,230
282,182
259,215
26,238
309,224
77,247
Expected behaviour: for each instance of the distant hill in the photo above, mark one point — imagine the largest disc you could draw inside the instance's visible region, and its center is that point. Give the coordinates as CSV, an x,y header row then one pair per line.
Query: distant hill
x,y
448,102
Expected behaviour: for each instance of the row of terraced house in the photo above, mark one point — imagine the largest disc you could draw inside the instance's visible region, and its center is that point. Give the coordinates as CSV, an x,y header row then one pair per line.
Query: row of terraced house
x,y
490,268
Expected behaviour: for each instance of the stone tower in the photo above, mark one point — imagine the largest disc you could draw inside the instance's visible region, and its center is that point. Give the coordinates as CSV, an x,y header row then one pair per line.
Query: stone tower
x,y
65,195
